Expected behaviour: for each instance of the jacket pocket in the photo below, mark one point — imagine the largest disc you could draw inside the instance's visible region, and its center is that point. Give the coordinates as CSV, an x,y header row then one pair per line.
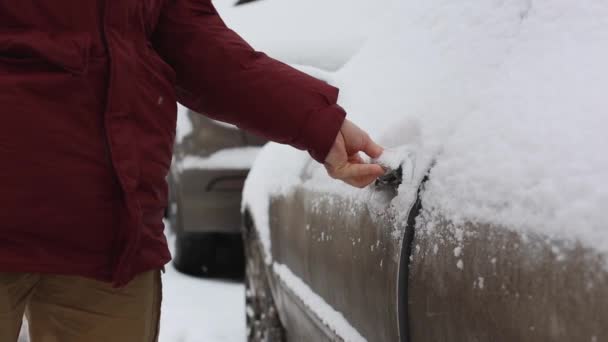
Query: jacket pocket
x,y
25,48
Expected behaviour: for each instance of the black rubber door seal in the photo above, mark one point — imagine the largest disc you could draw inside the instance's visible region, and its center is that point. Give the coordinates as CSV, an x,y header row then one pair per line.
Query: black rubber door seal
x,y
406,252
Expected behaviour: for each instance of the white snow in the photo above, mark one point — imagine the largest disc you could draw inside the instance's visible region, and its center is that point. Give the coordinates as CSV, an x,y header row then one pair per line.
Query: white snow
x,y
201,310
506,96
222,4
238,158
183,125
332,318
530,155
320,33
460,264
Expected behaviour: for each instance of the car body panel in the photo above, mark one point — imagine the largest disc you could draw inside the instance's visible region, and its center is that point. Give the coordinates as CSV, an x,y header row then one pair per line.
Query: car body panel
x,y
475,282
207,136
464,282
205,206
208,197
300,324
345,252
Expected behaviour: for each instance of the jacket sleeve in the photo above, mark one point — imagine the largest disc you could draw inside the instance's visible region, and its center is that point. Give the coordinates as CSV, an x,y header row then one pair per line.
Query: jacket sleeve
x,y
219,74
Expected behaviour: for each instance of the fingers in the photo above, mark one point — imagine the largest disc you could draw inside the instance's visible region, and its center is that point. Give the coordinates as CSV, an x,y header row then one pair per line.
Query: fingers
x,y
356,140
371,148
359,175
343,161
360,182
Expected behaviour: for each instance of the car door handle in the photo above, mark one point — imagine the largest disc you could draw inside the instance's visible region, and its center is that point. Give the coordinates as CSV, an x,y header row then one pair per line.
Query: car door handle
x,y
392,178
399,165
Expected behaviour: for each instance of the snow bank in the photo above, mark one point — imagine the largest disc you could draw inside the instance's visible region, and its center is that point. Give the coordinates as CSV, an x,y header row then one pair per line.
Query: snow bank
x,y
238,158
332,318
506,96
320,33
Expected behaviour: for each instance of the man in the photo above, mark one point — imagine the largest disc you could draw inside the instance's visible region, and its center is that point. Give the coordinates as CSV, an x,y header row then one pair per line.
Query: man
x,y
87,94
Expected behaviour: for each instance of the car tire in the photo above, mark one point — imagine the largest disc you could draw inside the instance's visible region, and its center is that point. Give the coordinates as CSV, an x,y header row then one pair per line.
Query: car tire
x,y
193,253
263,322
208,254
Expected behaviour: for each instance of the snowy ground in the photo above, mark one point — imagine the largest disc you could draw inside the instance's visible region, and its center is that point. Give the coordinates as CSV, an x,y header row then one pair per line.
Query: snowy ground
x,y
204,310
199,310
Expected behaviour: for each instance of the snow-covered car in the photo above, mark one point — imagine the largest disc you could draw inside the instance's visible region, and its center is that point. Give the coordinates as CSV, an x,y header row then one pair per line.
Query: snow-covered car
x,y
492,222
211,162
316,33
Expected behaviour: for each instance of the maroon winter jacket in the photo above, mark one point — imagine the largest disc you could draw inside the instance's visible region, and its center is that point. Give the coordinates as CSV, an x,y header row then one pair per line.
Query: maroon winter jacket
x,y
88,92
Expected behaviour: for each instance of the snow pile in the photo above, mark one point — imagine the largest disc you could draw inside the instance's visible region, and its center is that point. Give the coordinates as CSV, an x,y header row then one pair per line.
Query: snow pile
x,y
320,33
506,97
332,318
238,158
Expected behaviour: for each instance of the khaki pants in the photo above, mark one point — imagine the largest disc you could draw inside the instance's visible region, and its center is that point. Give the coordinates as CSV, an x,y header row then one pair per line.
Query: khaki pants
x,y
75,309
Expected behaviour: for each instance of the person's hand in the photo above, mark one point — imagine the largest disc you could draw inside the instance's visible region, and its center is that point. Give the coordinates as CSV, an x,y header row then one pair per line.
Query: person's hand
x,y
344,162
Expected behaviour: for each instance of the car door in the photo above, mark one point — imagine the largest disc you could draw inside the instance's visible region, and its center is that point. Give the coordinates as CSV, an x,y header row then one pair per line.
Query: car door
x,y
482,282
337,258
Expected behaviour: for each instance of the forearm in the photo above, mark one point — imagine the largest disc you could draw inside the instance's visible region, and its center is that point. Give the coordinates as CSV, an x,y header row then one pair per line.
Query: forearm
x,y
220,75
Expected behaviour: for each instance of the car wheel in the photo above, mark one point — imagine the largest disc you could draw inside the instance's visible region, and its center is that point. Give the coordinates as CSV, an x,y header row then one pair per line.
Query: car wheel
x,y
207,254
263,322
229,256
193,253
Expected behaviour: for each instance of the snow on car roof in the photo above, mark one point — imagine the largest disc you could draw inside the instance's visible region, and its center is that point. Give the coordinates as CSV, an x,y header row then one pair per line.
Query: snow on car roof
x,y
508,97
235,158
511,99
319,33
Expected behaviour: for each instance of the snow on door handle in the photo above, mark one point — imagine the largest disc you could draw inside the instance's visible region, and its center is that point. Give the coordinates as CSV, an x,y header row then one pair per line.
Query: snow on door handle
x,y
399,164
